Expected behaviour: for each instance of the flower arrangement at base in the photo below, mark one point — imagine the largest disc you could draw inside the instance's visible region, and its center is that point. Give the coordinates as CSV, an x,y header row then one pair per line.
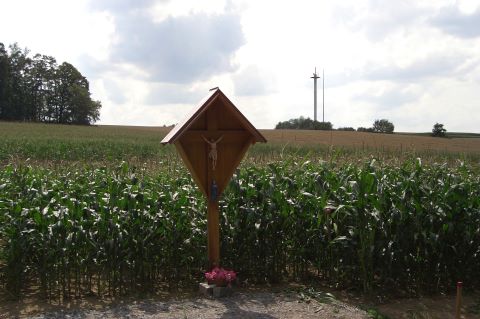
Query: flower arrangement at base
x,y
220,277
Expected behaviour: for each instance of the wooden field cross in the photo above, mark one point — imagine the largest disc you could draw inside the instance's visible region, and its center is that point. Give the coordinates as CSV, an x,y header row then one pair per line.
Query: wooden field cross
x,y
212,141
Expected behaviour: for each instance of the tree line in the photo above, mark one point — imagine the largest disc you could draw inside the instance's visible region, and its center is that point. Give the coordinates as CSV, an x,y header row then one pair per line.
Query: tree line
x,y
379,126
37,89
302,123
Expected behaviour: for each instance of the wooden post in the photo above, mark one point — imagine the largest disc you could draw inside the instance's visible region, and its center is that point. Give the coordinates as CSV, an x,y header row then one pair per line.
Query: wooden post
x,y
213,232
458,304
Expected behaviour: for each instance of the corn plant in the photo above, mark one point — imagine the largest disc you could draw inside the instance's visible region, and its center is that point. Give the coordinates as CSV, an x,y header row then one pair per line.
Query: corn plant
x,y
109,230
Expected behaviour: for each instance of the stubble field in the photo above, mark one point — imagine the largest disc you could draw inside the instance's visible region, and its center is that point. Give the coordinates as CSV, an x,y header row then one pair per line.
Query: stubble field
x,y
371,141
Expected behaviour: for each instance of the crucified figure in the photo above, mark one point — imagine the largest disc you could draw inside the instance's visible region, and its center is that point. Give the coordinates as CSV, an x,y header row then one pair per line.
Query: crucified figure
x,y
213,150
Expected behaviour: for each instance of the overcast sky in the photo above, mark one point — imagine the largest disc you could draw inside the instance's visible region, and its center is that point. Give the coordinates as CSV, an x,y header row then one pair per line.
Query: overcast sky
x,y
150,61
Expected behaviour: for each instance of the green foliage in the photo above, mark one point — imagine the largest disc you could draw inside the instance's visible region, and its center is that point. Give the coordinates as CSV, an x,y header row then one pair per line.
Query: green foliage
x,y
116,230
392,225
383,126
365,129
348,129
304,124
37,89
438,130
307,294
54,144
3,79
102,230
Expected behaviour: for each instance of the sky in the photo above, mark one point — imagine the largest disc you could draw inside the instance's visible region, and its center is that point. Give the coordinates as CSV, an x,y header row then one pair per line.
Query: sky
x,y
150,62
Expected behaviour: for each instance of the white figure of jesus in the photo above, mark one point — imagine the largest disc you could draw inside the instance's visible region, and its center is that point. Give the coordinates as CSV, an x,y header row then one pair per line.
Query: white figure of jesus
x,y
213,154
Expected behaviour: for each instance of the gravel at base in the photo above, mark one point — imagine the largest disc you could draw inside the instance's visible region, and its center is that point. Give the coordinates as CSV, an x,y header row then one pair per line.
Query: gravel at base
x,y
241,305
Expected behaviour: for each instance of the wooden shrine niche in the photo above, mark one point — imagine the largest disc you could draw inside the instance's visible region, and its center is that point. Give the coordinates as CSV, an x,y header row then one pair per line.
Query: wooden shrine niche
x,y
211,142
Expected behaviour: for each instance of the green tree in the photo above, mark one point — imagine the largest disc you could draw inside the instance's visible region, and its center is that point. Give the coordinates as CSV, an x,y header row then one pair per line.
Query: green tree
x,y
17,92
365,129
438,130
72,102
37,78
37,89
66,77
47,69
303,123
82,109
383,126
323,126
3,79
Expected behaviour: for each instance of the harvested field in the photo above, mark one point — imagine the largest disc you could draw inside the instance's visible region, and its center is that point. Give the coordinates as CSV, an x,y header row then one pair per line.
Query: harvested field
x,y
366,141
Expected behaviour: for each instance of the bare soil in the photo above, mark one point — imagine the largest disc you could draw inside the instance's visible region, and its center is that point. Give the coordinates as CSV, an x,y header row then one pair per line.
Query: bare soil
x,y
436,307
260,302
240,305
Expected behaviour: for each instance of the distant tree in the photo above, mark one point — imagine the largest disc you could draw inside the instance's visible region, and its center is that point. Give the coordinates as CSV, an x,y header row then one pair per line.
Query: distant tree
x,y
303,123
383,126
37,89
17,90
82,110
3,79
365,129
323,126
438,130
47,71
68,81
38,82
351,129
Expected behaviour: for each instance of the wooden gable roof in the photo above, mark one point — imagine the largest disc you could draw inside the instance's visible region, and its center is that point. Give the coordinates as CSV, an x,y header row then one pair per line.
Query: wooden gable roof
x,y
215,95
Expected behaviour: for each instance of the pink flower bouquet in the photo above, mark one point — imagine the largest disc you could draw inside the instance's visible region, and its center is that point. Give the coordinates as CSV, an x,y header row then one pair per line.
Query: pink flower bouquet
x,y
220,277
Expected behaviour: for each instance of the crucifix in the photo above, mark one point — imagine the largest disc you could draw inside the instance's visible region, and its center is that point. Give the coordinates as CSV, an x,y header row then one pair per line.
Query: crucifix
x,y
213,154
211,163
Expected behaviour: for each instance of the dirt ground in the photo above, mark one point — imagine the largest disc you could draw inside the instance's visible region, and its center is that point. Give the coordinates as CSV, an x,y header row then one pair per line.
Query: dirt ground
x,y
263,305
437,307
266,302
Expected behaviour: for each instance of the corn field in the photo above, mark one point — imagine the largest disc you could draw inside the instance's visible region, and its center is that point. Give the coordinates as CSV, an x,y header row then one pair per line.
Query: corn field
x,y
411,227
116,230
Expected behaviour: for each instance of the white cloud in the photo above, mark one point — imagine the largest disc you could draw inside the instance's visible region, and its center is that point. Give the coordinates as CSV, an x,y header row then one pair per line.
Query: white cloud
x,y
171,93
253,81
453,21
388,96
179,50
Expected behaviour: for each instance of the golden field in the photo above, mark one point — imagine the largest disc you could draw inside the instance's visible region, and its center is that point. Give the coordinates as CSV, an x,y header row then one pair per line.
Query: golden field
x,y
360,140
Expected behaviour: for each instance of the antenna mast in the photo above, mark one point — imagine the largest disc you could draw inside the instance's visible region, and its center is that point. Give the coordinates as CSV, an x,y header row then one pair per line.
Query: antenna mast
x,y
323,95
315,77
